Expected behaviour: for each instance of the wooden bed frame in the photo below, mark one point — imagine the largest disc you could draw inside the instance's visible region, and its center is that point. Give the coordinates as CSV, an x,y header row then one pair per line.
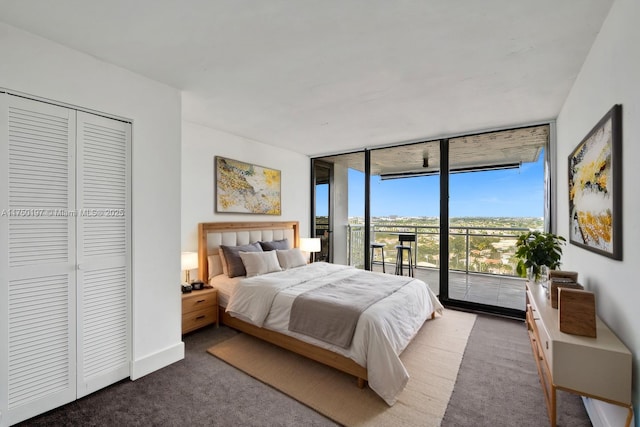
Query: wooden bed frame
x,y
310,351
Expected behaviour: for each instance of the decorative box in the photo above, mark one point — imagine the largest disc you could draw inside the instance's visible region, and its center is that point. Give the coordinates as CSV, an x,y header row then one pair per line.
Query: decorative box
x,y
573,275
561,282
577,312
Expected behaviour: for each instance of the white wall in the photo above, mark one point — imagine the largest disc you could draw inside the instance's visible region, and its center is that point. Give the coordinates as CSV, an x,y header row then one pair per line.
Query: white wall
x,y
201,144
39,67
609,76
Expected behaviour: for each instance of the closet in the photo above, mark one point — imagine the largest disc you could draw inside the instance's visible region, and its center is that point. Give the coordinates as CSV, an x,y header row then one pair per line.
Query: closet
x,y
65,240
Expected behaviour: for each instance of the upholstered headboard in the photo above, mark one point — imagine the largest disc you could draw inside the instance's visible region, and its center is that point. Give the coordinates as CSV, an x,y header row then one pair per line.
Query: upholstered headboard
x,y
213,234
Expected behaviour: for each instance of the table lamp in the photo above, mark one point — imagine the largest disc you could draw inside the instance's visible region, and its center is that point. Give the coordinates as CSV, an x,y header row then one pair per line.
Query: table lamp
x,y
189,261
311,245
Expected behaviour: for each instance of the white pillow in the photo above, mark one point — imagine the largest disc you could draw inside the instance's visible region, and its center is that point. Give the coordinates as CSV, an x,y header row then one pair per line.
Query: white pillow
x,y
257,263
290,258
223,262
215,265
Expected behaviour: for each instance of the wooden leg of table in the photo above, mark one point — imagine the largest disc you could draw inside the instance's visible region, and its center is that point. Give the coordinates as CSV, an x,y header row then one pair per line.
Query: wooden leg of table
x,y
552,410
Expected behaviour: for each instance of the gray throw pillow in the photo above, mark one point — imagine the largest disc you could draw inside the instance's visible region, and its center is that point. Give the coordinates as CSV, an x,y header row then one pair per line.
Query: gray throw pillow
x,y
235,267
276,244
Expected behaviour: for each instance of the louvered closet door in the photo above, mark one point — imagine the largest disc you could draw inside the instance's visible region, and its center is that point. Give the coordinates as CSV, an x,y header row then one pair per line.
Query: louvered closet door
x,y
103,251
37,256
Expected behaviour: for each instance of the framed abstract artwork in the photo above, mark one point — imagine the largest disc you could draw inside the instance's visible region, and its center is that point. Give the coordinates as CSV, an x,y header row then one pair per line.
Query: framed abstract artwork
x,y
595,188
245,188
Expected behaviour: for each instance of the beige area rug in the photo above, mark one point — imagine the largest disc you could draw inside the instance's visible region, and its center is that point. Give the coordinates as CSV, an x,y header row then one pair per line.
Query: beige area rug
x,y
432,360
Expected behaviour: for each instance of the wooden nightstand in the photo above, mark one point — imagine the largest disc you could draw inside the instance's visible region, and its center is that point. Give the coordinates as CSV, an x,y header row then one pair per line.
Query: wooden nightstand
x,y
199,308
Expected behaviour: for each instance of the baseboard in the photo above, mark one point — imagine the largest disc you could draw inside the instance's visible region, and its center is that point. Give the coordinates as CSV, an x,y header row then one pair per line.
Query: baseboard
x,y
604,414
158,360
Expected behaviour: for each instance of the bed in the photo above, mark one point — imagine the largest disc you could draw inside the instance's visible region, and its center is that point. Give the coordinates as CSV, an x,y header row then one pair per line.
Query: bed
x,y
382,330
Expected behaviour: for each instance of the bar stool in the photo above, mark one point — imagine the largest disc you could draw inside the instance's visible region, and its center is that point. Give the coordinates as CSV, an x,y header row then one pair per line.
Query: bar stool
x,y
376,245
401,249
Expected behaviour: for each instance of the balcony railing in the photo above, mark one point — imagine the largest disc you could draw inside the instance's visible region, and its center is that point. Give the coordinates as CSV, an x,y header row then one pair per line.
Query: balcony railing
x,y
489,250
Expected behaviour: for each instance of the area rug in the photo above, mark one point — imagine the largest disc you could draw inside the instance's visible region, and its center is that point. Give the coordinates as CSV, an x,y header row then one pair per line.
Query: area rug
x,y
498,383
432,360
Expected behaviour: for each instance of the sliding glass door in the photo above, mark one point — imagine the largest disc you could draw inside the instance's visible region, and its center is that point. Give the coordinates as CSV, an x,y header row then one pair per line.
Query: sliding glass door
x,y
405,211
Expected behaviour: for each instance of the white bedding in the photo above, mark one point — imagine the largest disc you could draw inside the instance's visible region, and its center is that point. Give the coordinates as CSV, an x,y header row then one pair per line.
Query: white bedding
x,y
226,286
382,333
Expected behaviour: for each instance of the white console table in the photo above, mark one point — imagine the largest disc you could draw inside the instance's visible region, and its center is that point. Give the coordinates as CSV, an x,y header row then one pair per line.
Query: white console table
x,y
599,368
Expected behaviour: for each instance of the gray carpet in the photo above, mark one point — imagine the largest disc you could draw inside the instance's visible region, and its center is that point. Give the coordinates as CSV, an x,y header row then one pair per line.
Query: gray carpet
x,y
497,386
498,383
200,390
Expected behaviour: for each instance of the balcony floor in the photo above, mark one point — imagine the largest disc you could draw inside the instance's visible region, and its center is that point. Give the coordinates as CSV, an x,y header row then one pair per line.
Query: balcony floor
x,y
501,291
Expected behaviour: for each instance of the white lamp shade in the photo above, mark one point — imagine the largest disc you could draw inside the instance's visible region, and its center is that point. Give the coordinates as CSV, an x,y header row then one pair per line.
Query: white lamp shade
x,y
189,260
310,244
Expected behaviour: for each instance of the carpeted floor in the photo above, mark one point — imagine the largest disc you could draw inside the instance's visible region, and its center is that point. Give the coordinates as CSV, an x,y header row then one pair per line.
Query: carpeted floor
x,y
201,390
197,391
432,360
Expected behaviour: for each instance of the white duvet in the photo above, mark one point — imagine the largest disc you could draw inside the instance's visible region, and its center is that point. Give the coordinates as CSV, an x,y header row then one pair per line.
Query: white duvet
x,y
382,333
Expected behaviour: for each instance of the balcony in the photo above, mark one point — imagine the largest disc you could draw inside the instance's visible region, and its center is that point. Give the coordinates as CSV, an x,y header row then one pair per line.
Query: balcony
x,y
482,262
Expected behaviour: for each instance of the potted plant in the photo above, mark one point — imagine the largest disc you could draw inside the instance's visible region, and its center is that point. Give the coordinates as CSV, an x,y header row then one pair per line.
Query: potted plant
x,y
536,249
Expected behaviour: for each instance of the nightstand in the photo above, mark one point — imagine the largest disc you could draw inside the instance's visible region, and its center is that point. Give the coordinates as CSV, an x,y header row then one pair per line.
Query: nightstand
x,y
199,308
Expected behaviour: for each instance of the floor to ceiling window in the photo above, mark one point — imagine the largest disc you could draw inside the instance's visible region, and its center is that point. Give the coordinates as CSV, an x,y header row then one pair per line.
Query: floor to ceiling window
x,y
338,198
496,192
464,200
322,180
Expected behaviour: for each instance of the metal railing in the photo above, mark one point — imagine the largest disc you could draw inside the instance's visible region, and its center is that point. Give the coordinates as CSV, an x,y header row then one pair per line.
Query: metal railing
x,y
489,250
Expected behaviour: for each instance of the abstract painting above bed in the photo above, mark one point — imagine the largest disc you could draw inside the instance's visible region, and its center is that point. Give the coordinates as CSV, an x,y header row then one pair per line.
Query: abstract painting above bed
x,y
245,188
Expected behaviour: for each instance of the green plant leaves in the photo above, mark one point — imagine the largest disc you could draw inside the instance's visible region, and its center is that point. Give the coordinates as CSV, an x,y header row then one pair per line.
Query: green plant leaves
x,y
535,249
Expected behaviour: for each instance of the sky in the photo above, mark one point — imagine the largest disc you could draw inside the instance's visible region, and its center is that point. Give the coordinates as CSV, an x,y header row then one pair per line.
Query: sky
x,y
502,193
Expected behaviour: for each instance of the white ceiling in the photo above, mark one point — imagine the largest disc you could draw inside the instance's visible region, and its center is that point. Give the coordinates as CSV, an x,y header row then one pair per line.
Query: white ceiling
x,y
325,76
